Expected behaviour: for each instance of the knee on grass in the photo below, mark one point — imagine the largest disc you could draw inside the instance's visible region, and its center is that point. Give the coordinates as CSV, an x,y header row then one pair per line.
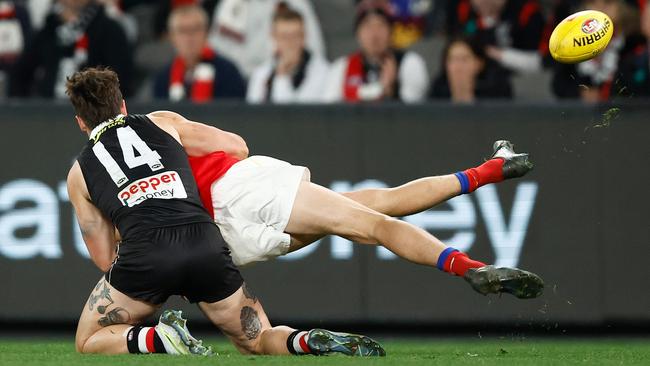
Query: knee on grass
x,y
251,347
80,345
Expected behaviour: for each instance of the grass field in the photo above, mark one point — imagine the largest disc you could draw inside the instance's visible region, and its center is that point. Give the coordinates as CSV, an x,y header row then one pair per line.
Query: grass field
x,y
400,352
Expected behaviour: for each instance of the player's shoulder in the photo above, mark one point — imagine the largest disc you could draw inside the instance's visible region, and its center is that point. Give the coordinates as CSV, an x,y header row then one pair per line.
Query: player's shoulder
x,y
74,174
164,115
170,122
76,184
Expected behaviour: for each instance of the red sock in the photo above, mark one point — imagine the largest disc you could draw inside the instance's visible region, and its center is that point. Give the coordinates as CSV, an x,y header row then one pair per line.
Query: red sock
x,y
458,263
489,172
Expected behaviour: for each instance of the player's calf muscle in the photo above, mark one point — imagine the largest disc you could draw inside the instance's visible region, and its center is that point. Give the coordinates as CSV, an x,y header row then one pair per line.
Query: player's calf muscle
x,y
367,227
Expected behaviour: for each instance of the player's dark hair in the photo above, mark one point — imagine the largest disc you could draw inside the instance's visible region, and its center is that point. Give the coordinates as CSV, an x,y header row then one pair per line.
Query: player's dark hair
x,y
95,95
285,12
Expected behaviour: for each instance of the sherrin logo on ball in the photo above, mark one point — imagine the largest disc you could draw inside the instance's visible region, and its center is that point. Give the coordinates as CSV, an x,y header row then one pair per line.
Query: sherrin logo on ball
x,y
590,26
581,36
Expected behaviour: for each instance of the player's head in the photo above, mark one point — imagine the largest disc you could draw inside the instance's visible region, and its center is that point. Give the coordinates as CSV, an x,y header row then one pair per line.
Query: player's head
x,y
95,95
188,31
288,29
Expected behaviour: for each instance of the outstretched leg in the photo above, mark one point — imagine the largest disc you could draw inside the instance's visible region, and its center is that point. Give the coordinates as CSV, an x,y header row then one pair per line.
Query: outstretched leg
x,y
422,194
319,211
410,198
242,319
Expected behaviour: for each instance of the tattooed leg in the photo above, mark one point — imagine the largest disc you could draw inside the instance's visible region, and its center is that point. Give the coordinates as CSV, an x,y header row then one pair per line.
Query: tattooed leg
x,y
243,320
250,323
248,293
107,316
241,317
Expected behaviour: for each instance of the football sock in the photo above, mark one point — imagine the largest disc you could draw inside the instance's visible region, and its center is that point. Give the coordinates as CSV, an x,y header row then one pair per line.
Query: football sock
x,y
141,339
456,262
489,172
297,343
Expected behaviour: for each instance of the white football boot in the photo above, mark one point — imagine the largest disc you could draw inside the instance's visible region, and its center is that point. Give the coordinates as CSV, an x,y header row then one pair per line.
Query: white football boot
x,y
176,338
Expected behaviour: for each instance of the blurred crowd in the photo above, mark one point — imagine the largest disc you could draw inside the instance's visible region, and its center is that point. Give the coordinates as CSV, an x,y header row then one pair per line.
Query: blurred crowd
x,y
273,51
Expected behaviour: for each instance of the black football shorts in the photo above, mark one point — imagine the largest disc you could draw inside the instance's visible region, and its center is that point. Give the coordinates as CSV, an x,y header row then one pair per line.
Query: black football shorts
x,y
189,260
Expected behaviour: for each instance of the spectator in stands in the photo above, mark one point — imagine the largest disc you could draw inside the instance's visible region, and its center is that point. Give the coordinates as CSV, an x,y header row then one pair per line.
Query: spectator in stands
x,y
15,32
511,29
293,75
468,74
76,34
376,71
241,30
413,19
114,10
197,73
600,78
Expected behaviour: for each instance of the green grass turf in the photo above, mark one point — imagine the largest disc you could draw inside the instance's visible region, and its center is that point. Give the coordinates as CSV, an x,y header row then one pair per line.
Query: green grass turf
x,y
400,352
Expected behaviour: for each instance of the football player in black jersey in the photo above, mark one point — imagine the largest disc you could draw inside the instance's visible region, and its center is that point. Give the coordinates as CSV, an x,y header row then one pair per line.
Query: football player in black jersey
x,y
133,176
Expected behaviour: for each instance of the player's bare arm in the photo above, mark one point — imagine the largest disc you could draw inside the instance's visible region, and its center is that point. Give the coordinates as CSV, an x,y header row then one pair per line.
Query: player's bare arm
x,y
97,231
199,139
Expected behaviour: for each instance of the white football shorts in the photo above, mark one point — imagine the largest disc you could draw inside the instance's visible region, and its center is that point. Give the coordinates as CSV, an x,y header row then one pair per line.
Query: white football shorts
x,y
252,205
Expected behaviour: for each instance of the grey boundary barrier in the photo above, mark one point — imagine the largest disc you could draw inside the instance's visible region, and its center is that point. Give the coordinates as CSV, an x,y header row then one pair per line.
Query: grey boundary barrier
x,y
580,219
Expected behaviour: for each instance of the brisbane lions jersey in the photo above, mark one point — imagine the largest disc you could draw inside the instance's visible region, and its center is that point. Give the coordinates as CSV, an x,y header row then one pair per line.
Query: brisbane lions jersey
x,y
139,177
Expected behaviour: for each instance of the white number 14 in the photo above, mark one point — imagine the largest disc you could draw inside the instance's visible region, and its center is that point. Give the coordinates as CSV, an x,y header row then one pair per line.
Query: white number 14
x,y
130,143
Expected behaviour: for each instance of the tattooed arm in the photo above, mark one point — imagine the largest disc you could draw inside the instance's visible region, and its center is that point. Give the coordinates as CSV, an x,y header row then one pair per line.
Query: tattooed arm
x,y
98,232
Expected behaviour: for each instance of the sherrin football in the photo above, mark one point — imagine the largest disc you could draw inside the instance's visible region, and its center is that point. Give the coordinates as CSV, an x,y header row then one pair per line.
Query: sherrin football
x,y
581,36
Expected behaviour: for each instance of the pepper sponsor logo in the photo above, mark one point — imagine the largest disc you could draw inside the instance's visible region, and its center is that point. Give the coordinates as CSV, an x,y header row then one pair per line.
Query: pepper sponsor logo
x,y
167,185
595,32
